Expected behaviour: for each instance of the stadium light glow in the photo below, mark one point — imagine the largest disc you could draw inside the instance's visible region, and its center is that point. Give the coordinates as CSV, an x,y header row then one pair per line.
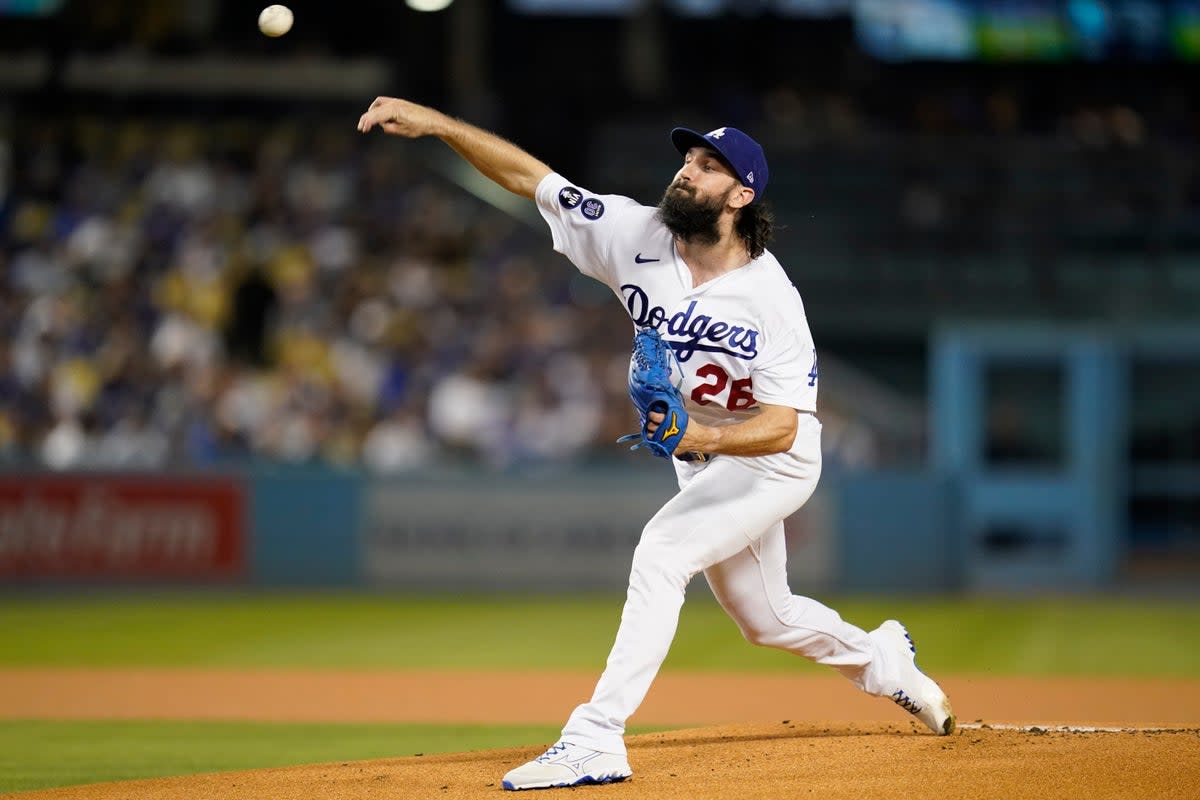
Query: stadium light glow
x,y
428,5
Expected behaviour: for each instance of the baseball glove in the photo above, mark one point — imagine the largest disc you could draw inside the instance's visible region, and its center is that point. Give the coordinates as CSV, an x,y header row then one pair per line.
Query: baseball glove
x,y
651,389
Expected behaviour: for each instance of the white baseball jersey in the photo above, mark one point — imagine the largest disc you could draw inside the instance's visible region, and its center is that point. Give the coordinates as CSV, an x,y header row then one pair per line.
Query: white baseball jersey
x,y
740,339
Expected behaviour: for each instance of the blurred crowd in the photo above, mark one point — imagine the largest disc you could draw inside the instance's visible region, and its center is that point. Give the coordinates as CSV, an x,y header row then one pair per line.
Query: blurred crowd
x,y
214,294
207,293
201,295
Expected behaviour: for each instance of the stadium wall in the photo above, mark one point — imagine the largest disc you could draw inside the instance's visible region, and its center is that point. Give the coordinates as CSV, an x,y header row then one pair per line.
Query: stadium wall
x,y
273,527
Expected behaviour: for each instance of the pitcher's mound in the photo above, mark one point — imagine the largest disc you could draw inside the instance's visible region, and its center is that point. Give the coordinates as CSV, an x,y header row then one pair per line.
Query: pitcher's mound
x,y
761,762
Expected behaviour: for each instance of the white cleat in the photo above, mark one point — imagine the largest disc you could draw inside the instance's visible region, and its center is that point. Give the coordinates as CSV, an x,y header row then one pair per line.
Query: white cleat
x,y
567,764
916,692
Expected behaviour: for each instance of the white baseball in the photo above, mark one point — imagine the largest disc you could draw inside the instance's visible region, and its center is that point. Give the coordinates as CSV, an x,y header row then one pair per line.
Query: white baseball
x,y
275,20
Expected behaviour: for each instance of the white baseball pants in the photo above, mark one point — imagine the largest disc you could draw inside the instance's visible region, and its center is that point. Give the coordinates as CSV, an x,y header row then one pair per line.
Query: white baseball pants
x,y
727,521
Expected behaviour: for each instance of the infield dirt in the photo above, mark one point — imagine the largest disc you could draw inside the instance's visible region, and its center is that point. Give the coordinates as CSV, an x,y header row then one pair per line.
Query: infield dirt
x,y
774,736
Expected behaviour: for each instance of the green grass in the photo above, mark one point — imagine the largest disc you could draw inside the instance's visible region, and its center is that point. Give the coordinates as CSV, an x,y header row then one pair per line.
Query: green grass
x,y
1044,636
40,754
1036,637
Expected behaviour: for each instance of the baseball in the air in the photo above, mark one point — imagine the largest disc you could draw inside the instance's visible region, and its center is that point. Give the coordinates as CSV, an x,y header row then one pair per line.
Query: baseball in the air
x,y
275,20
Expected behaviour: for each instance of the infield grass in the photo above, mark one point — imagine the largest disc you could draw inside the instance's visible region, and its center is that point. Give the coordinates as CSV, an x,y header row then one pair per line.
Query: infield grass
x,y
41,754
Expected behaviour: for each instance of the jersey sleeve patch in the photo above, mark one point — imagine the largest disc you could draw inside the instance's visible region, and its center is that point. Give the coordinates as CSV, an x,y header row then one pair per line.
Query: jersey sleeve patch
x,y
569,197
584,225
592,208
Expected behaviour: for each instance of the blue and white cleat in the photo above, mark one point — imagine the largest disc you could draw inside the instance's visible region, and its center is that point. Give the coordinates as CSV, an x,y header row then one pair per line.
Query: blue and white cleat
x,y
567,764
915,692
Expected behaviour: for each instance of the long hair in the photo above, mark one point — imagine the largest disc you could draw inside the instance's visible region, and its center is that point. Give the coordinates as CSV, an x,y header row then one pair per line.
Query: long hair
x,y
755,223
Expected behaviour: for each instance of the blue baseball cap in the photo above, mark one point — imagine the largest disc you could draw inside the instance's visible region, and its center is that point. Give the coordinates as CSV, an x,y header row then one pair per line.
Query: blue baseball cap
x,y
741,152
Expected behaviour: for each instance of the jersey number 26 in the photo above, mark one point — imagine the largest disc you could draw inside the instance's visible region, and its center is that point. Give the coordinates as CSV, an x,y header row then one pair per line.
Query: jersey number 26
x,y
740,397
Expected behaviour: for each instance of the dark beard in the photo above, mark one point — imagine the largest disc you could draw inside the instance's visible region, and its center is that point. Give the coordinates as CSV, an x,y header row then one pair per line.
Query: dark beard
x,y
688,220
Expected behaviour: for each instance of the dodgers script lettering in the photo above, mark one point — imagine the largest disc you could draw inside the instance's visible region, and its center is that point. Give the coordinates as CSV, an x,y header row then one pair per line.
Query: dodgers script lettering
x,y
700,331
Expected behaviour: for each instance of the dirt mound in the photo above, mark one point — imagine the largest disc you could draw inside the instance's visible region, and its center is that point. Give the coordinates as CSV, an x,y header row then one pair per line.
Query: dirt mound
x,y
765,761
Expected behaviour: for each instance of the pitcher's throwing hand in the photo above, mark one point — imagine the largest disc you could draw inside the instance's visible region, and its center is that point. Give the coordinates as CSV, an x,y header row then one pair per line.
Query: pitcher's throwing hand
x,y
401,118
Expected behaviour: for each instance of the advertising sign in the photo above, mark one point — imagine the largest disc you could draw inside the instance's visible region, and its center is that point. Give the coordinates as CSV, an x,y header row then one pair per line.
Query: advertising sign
x,y
120,526
566,531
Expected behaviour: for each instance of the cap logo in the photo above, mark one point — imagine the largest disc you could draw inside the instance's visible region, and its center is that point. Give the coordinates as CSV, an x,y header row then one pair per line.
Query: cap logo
x,y
750,177
717,134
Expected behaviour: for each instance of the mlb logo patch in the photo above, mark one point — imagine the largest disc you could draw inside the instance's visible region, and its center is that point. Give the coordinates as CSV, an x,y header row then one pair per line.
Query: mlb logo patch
x,y
569,197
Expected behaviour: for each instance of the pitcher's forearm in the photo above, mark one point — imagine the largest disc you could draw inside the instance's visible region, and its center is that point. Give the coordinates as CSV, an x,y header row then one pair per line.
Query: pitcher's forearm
x,y
772,431
497,159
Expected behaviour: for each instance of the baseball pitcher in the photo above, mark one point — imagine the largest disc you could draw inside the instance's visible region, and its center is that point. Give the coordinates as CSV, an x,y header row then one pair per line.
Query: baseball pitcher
x,y
724,378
